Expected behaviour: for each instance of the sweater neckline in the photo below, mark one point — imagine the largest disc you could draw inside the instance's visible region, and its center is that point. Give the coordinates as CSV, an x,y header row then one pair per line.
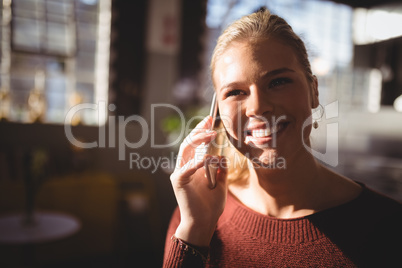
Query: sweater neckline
x,y
277,230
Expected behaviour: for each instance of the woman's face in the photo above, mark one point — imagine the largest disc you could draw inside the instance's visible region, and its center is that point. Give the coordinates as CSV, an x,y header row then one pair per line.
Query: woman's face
x,y
264,99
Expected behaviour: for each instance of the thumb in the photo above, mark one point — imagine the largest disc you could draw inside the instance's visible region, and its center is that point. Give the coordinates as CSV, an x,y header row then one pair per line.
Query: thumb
x,y
222,170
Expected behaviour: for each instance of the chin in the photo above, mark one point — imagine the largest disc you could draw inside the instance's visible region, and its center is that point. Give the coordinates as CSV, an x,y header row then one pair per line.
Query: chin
x,y
269,159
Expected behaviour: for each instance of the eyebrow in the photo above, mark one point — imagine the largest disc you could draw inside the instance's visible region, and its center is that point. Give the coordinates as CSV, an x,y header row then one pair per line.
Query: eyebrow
x,y
264,76
277,71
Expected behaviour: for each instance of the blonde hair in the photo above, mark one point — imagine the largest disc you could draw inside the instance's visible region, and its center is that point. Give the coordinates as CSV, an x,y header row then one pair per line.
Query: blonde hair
x,y
237,163
257,26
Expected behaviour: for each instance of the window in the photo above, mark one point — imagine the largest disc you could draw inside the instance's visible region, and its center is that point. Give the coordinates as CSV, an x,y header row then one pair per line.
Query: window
x,y
54,55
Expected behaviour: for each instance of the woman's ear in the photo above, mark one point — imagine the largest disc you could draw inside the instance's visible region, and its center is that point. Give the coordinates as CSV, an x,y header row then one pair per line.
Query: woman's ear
x,y
314,93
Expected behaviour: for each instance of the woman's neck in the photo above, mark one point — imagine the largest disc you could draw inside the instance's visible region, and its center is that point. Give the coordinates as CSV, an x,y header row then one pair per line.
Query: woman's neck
x,y
301,189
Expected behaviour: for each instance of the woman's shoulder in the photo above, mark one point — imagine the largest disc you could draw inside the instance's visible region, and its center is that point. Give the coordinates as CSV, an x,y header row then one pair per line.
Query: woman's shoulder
x,y
380,224
346,195
377,203
368,211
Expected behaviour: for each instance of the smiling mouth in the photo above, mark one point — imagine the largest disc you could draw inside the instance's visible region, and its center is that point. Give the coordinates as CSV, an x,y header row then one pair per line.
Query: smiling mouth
x,y
266,132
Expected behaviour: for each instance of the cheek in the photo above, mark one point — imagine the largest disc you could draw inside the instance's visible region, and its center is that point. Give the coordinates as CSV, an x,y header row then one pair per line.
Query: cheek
x,y
299,104
229,116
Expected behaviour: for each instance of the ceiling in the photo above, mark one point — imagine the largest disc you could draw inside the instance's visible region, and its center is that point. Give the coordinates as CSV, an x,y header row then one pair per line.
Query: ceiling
x,y
366,3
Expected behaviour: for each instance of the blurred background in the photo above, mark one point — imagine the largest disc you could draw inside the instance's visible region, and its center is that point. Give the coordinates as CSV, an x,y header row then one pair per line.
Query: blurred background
x,y
81,88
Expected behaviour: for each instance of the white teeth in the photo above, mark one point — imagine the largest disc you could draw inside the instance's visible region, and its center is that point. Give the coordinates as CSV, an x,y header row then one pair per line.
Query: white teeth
x,y
260,133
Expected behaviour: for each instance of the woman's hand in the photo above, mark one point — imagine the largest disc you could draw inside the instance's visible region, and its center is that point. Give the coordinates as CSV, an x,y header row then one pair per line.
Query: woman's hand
x,y
200,207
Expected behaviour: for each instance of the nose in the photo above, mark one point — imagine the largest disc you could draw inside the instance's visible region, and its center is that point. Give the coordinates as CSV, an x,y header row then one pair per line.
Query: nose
x,y
258,103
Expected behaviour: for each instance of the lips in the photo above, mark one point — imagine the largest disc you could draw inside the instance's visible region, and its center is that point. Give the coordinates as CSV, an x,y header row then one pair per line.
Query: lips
x,y
262,134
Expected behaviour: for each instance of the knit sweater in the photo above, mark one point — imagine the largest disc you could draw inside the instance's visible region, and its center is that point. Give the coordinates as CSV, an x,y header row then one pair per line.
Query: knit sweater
x,y
365,232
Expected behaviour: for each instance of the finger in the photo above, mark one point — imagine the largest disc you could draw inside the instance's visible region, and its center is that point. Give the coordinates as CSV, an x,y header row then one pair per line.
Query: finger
x,y
202,126
186,171
191,167
199,132
223,168
199,138
219,162
211,167
196,137
197,145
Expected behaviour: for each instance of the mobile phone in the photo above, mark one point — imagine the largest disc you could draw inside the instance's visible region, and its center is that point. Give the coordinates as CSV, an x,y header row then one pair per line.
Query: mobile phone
x,y
213,112
211,170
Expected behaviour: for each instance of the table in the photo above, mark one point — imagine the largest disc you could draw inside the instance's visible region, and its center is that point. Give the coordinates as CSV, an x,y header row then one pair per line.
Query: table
x,y
44,227
47,226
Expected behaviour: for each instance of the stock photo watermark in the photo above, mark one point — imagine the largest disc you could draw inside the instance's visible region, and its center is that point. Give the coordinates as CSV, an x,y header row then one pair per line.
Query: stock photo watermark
x,y
172,161
116,129
331,154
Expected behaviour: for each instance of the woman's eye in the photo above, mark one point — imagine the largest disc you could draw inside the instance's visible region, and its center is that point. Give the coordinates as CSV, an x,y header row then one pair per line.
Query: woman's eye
x,y
234,92
279,82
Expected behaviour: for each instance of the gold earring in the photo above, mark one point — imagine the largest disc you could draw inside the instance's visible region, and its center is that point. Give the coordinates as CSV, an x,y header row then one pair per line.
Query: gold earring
x,y
321,109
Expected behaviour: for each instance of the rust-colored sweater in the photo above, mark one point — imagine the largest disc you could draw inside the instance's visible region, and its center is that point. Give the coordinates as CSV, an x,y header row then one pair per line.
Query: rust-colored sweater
x,y
365,232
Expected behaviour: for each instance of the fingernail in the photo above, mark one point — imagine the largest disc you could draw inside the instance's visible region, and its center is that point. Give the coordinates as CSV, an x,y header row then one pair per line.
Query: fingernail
x,y
211,172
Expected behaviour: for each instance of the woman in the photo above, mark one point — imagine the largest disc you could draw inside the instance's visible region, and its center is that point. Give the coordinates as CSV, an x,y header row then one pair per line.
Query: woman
x,y
296,214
